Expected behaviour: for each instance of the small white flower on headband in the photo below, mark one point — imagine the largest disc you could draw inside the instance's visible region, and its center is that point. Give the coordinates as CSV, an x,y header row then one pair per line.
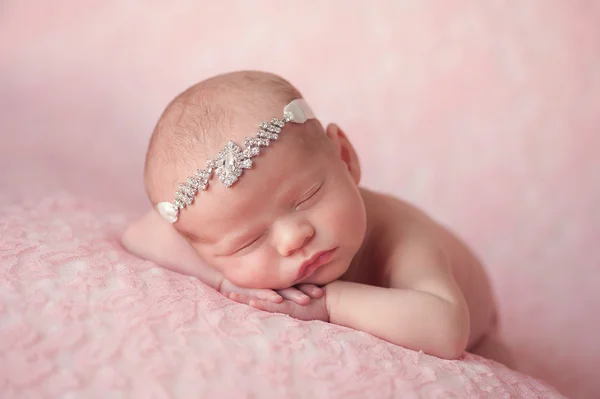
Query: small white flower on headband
x,y
232,159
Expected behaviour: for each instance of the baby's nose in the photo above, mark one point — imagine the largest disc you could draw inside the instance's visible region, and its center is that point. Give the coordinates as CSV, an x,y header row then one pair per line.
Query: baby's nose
x,y
294,237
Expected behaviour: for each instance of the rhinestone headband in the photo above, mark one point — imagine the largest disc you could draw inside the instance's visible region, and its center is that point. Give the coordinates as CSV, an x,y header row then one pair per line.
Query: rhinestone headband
x,y
232,159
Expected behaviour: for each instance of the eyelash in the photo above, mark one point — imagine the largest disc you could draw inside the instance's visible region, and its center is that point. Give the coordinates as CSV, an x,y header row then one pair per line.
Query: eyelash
x,y
249,244
310,196
259,237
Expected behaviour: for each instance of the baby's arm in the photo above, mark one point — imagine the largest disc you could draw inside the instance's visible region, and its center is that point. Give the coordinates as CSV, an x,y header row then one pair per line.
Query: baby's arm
x,y
154,239
423,310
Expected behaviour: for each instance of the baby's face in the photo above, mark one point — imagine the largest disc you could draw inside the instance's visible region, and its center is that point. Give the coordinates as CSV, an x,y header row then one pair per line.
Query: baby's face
x,y
296,217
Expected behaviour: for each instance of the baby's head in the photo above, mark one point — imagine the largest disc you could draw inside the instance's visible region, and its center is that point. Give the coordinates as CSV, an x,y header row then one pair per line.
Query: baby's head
x,y
299,202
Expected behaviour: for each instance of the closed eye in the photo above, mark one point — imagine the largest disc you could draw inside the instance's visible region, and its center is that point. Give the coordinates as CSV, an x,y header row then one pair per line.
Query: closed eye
x,y
306,202
249,244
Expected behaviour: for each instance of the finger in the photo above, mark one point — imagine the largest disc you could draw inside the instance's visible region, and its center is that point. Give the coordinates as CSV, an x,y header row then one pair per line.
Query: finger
x,y
265,294
268,295
234,296
294,295
311,290
260,304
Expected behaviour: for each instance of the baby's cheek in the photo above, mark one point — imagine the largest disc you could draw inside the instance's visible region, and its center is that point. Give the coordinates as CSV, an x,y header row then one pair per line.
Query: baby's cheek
x,y
248,274
342,216
345,221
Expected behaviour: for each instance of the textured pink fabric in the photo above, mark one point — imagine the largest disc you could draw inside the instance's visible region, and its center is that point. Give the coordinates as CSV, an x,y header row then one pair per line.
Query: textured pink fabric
x,y
79,317
484,113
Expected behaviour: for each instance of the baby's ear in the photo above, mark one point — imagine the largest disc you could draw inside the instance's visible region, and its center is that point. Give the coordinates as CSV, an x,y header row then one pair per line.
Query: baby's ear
x,y
345,150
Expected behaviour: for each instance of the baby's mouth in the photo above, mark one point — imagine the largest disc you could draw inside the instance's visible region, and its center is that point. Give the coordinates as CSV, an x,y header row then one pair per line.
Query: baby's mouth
x,y
314,262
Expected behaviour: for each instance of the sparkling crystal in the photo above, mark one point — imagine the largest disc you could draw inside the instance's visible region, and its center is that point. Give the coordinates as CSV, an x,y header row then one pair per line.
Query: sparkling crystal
x,y
202,175
274,129
193,182
259,142
227,180
277,122
254,151
263,125
187,200
229,160
190,191
233,146
267,135
246,163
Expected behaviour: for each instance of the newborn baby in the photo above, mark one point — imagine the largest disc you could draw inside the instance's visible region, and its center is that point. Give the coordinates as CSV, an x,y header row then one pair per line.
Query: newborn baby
x,y
272,215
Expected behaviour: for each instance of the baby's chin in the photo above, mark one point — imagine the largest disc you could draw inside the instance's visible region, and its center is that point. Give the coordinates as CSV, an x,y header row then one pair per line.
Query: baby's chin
x,y
326,274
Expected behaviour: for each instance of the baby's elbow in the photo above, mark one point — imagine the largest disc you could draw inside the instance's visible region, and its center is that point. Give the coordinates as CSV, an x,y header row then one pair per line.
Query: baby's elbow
x,y
453,342
128,239
452,349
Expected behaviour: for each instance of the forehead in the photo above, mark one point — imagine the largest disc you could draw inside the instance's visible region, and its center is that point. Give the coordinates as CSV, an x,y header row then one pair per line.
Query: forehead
x,y
276,172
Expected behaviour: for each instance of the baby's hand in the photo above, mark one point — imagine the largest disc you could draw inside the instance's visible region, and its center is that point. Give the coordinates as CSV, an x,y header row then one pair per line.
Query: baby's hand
x,y
301,295
229,289
316,309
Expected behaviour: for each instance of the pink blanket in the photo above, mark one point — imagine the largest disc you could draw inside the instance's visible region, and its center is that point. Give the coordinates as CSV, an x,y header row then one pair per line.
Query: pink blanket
x,y
485,114
81,317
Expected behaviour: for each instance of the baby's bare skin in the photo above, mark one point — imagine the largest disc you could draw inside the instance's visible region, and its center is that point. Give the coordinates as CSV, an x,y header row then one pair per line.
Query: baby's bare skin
x,y
393,227
399,222
387,269
467,270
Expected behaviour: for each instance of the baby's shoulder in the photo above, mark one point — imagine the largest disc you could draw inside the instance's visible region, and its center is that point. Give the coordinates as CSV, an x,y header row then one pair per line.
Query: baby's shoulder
x,y
394,224
406,241
389,214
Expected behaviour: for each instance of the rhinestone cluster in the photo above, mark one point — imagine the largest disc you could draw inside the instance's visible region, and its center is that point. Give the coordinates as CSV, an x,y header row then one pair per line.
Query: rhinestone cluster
x,y
229,163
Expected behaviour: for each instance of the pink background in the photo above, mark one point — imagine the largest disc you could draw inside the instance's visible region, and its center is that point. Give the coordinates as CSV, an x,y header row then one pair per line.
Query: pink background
x,y
484,114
